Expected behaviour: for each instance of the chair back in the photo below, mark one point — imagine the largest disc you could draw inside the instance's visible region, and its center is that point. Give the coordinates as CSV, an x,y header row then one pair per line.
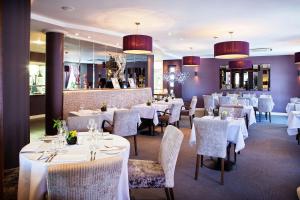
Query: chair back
x,y
208,102
265,96
247,95
297,106
80,123
175,112
211,137
233,111
243,101
226,100
168,153
87,180
125,122
294,99
265,104
193,106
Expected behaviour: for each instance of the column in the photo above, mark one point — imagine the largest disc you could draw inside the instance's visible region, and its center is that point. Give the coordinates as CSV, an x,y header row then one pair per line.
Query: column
x,y
54,78
14,84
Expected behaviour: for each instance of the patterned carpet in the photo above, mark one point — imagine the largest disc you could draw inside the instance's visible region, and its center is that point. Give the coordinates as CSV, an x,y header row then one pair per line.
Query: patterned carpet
x,y
268,168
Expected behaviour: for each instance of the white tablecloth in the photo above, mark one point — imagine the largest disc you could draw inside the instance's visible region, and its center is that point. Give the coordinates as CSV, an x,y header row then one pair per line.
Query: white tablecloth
x,y
33,173
236,132
150,112
171,101
290,107
293,122
249,110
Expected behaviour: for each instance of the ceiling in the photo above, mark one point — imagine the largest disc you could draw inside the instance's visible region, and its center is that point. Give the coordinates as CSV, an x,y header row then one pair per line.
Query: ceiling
x,y
178,27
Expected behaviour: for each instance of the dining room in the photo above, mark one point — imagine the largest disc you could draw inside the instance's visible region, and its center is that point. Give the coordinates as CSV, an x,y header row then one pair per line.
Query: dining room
x,y
149,100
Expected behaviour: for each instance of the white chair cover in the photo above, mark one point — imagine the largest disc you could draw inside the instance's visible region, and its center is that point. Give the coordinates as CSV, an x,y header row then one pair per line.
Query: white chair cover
x,y
193,106
247,95
175,112
297,106
208,102
232,95
265,104
211,137
294,99
80,123
86,180
225,100
125,122
265,96
236,112
243,101
169,150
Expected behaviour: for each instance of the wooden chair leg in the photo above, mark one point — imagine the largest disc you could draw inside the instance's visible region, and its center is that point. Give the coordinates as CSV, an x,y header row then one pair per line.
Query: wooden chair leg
x,y
167,193
228,151
197,167
161,128
135,145
222,171
201,161
171,193
270,117
234,153
191,121
266,115
259,116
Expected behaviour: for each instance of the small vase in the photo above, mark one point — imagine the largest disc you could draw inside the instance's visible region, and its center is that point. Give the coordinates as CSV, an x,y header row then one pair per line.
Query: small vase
x,y
103,109
148,103
72,140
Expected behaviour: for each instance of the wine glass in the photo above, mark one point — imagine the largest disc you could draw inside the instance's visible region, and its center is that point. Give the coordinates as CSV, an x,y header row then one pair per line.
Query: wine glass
x,y
91,124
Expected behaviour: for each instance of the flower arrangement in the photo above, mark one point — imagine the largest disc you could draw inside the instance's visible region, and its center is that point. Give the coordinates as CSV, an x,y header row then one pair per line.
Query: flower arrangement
x,y
224,115
103,107
57,123
72,137
148,103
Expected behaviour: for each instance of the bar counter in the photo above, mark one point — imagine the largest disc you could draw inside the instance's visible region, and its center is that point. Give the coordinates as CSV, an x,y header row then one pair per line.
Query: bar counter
x,y
93,98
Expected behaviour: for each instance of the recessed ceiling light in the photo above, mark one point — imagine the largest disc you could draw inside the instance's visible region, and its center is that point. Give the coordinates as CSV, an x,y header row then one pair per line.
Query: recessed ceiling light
x,y
67,8
76,34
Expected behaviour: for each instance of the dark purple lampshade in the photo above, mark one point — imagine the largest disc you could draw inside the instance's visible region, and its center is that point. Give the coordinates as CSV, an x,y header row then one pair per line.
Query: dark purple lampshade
x,y
240,64
297,58
231,50
191,61
137,44
67,68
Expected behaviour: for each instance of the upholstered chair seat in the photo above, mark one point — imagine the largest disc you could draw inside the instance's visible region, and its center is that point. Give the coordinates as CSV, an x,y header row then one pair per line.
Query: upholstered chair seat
x,y
160,173
146,174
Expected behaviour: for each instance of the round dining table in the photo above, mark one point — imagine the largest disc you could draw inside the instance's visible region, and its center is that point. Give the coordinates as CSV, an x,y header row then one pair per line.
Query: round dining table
x,y
34,160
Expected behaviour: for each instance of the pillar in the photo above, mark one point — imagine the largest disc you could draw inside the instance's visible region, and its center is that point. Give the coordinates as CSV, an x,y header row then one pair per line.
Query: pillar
x,y
54,78
14,80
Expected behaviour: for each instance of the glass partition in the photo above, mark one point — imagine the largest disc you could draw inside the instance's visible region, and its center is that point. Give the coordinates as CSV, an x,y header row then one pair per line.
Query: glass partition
x,y
92,65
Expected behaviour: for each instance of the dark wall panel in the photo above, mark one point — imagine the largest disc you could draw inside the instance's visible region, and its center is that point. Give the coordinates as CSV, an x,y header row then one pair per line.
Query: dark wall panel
x,y
178,67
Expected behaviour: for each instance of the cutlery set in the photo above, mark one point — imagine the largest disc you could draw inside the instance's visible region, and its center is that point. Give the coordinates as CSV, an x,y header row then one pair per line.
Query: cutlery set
x,y
93,155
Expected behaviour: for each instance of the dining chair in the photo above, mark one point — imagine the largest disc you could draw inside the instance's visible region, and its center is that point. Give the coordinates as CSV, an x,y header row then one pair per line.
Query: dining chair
x,y
125,123
170,116
298,192
243,101
209,102
190,110
80,123
86,180
225,100
211,140
265,105
297,106
160,173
